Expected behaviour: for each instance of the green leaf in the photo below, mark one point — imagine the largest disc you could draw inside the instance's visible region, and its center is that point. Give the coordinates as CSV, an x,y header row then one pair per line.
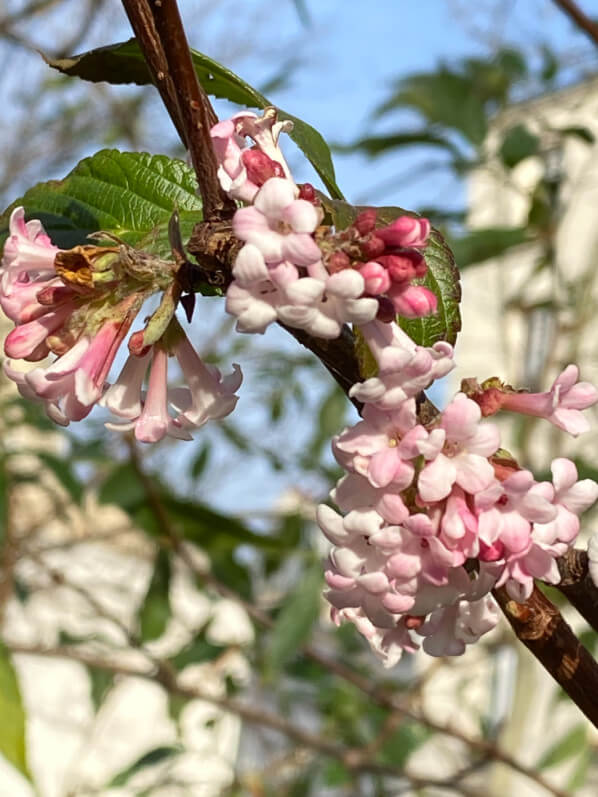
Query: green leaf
x,y
330,419
296,619
198,650
124,63
122,486
101,681
154,756
129,194
155,610
378,145
576,131
64,473
572,743
444,98
201,460
12,727
479,245
402,743
518,144
442,277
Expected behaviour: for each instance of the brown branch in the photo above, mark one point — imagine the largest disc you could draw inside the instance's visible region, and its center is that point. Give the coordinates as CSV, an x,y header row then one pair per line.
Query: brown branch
x,y
542,629
577,585
142,22
196,112
161,37
579,19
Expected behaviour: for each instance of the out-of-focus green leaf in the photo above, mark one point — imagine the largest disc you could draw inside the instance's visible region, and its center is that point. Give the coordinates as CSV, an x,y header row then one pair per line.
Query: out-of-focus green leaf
x,y
123,487
577,131
518,143
198,650
442,277
443,98
12,726
201,460
378,145
550,64
581,771
101,681
64,473
129,194
330,419
154,756
479,245
124,63
155,609
572,743
408,738
296,619
336,774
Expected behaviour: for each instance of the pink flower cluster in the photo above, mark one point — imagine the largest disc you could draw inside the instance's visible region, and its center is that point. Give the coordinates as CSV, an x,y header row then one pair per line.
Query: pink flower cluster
x,y
293,269
53,316
431,519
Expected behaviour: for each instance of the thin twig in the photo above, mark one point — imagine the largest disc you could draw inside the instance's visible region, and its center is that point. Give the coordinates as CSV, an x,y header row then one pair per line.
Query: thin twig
x,y
169,680
579,19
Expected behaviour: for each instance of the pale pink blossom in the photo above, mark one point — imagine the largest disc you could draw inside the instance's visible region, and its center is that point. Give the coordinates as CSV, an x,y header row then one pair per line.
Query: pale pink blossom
x,y
75,381
570,498
457,452
322,306
28,253
404,369
27,341
448,630
279,224
354,492
238,172
507,509
210,395
254,306
381,446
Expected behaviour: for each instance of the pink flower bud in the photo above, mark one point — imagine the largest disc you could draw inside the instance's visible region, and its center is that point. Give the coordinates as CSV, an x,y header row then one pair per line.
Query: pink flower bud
x,y
260,167
376,277
365,221
338,261
405,231
372,247
308,192
414,301
136,344
405,266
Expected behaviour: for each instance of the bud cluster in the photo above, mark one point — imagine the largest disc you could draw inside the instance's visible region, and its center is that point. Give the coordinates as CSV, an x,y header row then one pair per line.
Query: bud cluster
x,y
293,268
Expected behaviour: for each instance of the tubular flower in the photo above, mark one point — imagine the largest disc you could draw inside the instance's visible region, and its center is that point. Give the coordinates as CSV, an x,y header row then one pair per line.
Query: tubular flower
x,y
79,305
561,405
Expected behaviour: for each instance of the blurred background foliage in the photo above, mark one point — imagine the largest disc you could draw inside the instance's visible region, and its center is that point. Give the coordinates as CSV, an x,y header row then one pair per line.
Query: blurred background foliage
x,y
231,514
